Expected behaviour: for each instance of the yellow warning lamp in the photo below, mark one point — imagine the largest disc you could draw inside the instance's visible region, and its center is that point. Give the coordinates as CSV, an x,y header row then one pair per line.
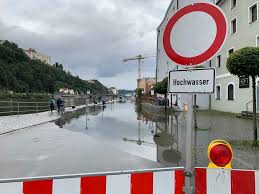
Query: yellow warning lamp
x,y
220,154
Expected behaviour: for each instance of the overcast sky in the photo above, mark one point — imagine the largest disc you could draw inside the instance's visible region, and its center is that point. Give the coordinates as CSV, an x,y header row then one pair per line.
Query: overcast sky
x,y
90,38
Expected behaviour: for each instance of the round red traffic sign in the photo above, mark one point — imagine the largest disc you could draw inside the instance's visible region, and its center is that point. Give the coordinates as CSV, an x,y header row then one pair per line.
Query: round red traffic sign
x,y
195,34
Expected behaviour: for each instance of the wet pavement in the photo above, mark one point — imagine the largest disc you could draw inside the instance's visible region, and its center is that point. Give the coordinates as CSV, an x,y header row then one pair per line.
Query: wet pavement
x,y
121,137
164,138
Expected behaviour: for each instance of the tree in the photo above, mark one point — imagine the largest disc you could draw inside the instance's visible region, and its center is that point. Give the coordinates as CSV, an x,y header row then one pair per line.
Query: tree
x,y
161,87
245,62
139,92
19,73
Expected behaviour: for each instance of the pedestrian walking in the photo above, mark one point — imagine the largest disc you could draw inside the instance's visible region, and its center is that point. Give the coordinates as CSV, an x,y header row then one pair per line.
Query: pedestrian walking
x,y
60,105
51,104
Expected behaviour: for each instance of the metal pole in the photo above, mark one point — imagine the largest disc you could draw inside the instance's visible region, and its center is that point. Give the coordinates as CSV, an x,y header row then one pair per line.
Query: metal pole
x,y
37,108
195,112
18,108
139,72
188,148
171,101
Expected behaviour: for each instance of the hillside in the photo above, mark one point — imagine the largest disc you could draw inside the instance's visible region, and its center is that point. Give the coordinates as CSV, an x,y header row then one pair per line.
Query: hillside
x,y
20,74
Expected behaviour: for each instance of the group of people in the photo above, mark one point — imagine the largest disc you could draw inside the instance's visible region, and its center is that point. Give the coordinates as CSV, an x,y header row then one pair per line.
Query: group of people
x,y
59,102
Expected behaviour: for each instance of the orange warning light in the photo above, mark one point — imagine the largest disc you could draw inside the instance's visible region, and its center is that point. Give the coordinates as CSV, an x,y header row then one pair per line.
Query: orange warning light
x,y
220,154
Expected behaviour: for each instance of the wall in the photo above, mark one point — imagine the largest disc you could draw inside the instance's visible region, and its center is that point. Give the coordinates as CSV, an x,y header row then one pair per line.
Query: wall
x,y
245,36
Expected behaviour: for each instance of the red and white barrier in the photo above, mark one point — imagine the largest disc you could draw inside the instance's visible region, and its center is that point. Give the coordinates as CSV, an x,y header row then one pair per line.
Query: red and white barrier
x,y
161,182
219,181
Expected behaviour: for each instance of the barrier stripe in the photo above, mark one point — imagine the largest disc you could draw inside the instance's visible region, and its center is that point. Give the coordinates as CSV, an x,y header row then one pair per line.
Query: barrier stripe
x,y
164,182
243,182
200,181
257,182
160,182
93,185
142,183
225,181
66,186
37,187
118,184
11,188
218,182
179,180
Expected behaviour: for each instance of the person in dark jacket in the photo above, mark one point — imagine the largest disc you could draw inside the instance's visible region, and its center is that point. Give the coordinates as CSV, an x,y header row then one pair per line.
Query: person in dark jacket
x,y
60,104
51,104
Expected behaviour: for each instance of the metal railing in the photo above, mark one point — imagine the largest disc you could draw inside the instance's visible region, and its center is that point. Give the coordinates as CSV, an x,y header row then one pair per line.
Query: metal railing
x,y
18,107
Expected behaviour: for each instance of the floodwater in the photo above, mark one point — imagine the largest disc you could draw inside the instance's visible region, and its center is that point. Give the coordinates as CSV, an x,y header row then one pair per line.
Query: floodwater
x,y
122,136
164,138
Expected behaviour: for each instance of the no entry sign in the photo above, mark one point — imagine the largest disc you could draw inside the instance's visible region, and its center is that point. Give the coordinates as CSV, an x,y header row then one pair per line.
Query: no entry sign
x,y
195,34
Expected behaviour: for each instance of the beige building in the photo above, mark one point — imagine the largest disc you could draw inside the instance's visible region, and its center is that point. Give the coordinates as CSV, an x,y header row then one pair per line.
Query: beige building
x,y
113,90
234,94
33,54
147,83
67,91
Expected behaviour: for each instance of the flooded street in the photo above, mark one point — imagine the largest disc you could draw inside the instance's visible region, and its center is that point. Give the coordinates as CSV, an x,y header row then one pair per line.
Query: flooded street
x,y
121,136
164,138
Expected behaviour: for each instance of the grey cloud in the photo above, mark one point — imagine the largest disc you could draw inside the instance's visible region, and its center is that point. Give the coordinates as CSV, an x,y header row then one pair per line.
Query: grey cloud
x,y
85,35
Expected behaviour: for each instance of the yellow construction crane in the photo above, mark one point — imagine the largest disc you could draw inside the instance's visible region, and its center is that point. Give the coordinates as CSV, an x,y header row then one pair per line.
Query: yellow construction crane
x,y
139,58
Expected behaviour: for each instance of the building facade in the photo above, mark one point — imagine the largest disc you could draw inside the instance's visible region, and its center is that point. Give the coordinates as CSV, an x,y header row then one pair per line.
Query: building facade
x,y
234,94
164,64
67,91
147,83
33,54
113,90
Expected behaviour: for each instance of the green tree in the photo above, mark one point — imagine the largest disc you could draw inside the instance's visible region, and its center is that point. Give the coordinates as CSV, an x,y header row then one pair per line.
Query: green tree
x,y
245,62
161,87
21,74
139,92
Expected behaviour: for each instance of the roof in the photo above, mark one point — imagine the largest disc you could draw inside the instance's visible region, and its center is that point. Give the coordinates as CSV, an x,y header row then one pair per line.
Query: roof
x,y
31,50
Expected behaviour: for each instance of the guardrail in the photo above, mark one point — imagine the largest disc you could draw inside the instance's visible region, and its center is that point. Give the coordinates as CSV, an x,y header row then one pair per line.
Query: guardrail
x,y
18,107
150,181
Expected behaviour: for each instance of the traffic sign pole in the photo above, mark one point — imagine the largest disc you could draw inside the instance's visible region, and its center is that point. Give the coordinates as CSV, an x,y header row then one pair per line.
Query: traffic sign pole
x,y
188,149
192,36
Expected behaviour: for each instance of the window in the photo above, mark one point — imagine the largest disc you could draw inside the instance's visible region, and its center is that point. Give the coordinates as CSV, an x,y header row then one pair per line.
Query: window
x,y
230,51
219,61
234,26
233,3
253,13
230,92
218,93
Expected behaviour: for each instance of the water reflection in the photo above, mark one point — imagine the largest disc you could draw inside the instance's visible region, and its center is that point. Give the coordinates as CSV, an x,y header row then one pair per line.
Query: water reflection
x,y
161,137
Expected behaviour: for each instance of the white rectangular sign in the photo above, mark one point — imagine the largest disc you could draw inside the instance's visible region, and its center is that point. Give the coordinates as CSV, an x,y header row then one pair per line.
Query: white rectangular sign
x,y
196,81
